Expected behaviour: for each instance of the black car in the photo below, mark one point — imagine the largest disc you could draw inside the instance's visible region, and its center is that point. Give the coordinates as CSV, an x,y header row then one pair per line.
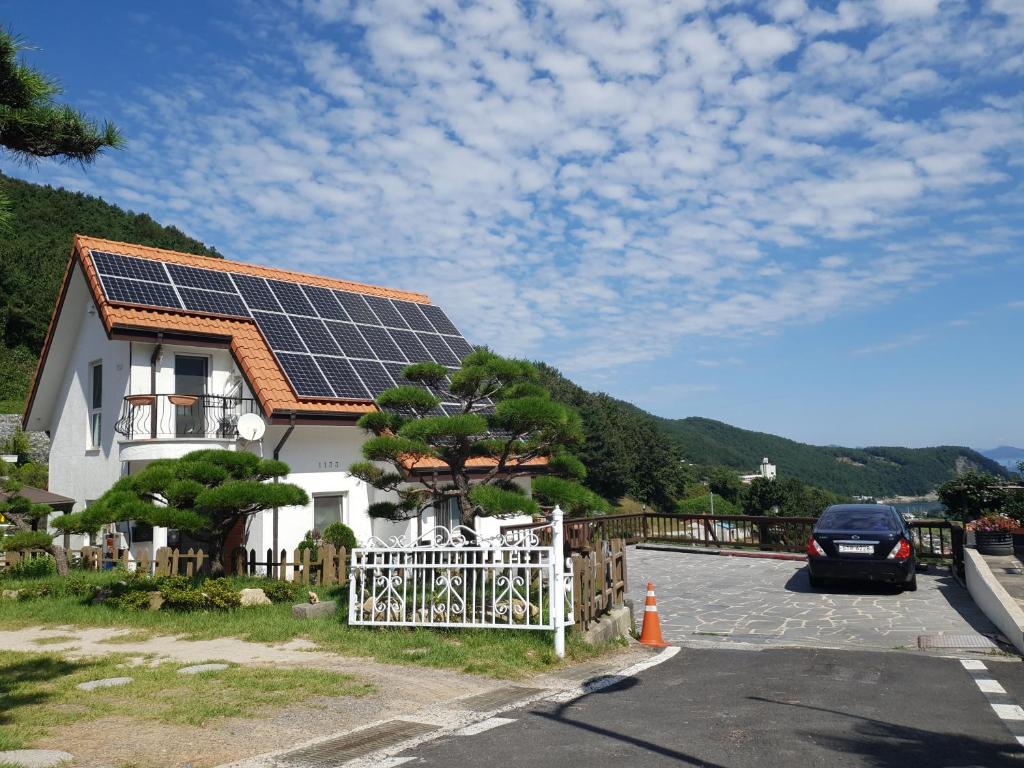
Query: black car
x,y
862,541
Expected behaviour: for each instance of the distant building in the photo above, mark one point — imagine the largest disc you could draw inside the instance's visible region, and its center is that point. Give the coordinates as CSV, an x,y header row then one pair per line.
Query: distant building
x,y
766,470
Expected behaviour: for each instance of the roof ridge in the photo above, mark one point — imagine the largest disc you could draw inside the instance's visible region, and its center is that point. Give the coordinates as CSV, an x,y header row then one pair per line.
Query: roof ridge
x,y
275,273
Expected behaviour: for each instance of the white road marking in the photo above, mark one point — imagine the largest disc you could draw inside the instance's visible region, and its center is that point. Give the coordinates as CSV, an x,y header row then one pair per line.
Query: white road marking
x,y
988,685
391,762
1008,711
483,725
973,664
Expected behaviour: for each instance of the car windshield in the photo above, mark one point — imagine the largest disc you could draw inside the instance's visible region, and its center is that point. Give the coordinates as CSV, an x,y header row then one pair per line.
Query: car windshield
x,y
857,520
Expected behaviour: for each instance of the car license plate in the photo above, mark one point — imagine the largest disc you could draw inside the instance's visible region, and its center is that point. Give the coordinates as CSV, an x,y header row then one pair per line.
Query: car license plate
x,y
856,549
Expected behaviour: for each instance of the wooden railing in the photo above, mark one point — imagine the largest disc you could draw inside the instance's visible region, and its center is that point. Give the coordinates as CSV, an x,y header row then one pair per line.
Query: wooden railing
x,y
934,540
598,581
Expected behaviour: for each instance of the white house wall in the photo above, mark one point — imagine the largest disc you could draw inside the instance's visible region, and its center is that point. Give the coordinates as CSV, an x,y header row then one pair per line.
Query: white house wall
x,y
76,470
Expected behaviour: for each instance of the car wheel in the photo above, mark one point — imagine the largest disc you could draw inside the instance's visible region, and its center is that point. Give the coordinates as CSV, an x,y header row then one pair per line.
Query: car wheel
x,y
911,586
817,581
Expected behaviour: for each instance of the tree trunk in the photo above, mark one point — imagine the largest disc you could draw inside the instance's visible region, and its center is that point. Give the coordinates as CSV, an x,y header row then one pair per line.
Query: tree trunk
x,y
60,555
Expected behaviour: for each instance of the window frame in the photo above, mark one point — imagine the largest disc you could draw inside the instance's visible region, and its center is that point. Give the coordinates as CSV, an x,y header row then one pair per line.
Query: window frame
x,y
94,436
343,512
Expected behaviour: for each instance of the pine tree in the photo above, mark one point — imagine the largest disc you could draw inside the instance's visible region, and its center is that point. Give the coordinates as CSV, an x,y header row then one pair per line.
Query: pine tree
x,y
504,422
33,125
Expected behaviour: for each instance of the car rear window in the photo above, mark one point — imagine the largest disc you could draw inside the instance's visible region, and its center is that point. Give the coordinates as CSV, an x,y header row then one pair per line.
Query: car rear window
x,y
857,520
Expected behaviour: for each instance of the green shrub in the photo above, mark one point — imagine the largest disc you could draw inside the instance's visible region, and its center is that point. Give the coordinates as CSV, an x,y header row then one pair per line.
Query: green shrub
x,y
32,568
279,591
220,594
701,505
178,598
340,535
34,592
76,586
309,542
134,600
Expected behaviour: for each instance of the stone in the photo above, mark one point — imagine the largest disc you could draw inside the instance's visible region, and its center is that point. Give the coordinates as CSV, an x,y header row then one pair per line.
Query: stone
x,y
198,669
10,594
35,758
315,610
254,596
107,682
156,601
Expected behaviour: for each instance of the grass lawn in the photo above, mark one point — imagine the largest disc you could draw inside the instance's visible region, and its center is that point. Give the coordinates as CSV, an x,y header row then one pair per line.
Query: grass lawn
x,y
39,692
495,653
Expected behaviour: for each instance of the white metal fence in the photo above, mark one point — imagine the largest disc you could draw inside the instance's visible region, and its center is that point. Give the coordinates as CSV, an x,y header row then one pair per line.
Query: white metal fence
x,y
453,578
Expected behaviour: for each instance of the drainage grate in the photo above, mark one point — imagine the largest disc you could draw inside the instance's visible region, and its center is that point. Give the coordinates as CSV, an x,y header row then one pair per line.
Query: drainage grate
x,y
496,699
970,640
335,752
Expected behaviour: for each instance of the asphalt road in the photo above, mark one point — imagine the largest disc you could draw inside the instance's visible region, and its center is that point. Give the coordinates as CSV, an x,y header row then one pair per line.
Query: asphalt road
x,y
726,708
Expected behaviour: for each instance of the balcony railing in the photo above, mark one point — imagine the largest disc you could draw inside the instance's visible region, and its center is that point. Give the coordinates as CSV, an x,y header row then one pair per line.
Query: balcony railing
x,y
151,417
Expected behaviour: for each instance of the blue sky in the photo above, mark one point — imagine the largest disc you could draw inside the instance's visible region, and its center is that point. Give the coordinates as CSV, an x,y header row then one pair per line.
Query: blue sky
x,y
799,217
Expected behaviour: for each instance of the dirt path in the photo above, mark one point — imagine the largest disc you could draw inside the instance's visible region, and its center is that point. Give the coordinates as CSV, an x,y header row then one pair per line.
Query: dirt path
x,y
400,691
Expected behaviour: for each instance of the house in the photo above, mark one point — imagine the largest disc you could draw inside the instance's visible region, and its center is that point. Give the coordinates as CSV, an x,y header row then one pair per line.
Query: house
x,y
766,471
151,354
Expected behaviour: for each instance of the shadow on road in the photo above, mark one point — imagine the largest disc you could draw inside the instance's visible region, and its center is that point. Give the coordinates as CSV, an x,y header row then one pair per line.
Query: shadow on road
x,y
888,744
798,582
559,715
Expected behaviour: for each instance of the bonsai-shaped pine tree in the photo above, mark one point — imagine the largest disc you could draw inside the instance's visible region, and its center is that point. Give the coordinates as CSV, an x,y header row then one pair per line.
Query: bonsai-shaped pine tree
x,y
32,125
498,424
205,493
20,513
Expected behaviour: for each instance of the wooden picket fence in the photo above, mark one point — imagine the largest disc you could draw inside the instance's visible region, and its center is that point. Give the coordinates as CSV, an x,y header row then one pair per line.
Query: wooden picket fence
x,y
329,567
598,580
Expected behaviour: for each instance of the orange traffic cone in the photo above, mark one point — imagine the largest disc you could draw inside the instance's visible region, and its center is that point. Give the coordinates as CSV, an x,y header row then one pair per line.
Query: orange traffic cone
x,y
650,634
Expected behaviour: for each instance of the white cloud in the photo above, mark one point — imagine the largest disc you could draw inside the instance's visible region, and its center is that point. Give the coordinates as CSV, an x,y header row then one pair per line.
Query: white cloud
x,y
894,10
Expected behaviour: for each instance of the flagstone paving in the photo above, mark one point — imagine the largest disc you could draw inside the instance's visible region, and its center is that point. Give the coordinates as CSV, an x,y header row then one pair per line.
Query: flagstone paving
x,y
770,602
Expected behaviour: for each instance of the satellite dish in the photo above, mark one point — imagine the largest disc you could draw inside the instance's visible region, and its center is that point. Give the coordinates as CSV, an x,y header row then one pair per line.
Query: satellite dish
x,y
251,427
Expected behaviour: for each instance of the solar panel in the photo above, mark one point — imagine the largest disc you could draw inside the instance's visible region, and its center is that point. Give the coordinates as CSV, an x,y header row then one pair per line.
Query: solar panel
x,y
279,333
357,309
315,336
293,301
349,339
129,291
438,349
342,377
305,376
329,343
374,375
415,319
381,343
324,302
459,346
116,265
213,301
193,277
411,347
386,312
439,319
256,292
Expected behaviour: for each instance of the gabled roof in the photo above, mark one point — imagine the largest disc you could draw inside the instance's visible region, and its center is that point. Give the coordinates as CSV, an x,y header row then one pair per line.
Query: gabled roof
x,y
250,350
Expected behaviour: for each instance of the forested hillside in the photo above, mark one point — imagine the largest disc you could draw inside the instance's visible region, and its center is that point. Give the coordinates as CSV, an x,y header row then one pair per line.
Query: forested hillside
x,y
878,471
33,256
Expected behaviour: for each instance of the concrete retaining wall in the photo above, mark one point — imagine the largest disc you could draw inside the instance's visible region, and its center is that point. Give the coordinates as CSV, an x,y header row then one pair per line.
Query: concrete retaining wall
x,y
994,601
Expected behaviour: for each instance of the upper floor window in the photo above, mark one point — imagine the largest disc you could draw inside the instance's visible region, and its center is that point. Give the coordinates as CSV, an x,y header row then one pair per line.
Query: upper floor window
x,y
95,404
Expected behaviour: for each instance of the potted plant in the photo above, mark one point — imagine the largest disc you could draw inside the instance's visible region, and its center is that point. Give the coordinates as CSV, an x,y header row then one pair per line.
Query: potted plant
x,y
993,534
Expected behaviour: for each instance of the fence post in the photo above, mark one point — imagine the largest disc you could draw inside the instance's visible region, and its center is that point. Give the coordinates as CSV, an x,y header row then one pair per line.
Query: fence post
x,y
558,582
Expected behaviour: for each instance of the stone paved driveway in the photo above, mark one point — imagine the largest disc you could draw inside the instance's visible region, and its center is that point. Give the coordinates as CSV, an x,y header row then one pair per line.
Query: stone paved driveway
x,y
754,600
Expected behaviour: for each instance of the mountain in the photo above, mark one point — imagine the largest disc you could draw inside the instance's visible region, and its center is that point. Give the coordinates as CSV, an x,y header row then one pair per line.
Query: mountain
x,y
1006,455
874,471
33,256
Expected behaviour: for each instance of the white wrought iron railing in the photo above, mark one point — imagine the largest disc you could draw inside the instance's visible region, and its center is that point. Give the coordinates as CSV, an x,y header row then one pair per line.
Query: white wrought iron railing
x,y
455,578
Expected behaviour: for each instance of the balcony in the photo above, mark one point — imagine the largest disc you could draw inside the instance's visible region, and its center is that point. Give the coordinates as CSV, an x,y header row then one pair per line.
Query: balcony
x,y
171,425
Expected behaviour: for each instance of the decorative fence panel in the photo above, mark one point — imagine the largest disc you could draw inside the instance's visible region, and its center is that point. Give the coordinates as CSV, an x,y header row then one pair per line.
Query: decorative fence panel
x,y
330,566
453,578
599,581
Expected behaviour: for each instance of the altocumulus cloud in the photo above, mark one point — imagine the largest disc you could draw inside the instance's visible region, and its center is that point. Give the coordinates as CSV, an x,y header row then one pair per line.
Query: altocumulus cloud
x,y
574,177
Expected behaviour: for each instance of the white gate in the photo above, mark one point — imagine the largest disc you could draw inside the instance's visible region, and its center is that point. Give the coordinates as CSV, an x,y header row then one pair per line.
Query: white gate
x,y
453,578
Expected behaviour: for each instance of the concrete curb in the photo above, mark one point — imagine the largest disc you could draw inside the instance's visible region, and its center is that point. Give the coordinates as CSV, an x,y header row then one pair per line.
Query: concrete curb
x,y
723,552
994,601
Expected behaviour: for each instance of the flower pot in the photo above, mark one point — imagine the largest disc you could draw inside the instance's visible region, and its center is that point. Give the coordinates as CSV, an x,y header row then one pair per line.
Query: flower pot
x,y
994,542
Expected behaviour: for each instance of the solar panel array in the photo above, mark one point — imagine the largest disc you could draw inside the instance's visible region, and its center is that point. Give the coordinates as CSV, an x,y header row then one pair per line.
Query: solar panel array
x,y
329,343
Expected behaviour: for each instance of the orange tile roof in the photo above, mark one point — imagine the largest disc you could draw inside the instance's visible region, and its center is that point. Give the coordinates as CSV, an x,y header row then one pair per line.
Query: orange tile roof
x,y
257,363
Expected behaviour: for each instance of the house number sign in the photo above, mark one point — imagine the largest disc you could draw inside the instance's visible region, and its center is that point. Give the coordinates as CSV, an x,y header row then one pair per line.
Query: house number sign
x,y
328,465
